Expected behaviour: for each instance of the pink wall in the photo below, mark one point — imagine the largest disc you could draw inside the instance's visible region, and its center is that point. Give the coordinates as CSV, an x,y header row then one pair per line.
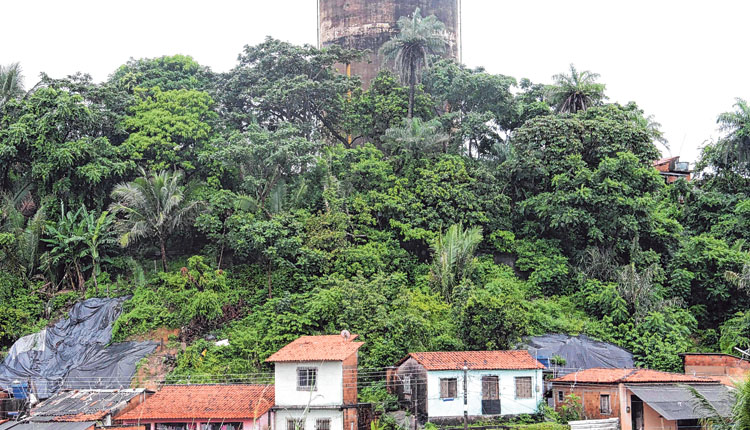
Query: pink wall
x,y
259,424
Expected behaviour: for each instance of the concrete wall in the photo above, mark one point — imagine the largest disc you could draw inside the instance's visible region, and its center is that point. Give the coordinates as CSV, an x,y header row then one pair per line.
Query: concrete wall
x,y
367,24
509,404
310,416
329,391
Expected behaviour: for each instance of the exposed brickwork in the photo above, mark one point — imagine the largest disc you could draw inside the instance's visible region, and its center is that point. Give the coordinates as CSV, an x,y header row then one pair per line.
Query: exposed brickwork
x,y
367,24
723,367
590,397
350,379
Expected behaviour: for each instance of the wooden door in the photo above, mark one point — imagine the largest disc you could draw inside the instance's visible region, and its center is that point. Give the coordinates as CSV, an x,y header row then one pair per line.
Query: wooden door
x,y
490,395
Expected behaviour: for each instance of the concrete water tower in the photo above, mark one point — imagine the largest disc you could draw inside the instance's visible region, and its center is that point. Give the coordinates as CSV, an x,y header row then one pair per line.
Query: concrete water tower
x,y
367,24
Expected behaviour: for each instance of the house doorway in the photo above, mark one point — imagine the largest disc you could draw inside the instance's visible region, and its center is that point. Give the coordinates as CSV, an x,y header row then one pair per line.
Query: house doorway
x,y
490,395
636,406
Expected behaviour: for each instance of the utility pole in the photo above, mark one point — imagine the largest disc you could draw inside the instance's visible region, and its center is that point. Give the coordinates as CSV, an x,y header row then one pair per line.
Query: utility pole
x,y
416,403
466,396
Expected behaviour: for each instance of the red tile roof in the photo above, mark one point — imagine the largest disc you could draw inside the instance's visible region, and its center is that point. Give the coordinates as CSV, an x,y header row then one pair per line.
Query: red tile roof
x,y
204,401
475,360
317,348
616,376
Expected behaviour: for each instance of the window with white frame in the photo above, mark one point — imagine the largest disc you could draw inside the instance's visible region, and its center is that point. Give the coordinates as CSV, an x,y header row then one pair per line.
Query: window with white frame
x,y
307,378
605,406
407,384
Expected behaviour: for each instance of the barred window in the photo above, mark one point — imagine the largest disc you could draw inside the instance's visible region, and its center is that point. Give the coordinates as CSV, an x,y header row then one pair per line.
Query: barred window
x,y
560,396
407,384
323,424
293,424
604,406
448,388
307,378
523,387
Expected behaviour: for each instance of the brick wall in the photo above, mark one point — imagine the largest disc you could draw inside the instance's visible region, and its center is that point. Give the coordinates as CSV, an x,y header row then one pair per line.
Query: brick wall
x,y
723,367
589,396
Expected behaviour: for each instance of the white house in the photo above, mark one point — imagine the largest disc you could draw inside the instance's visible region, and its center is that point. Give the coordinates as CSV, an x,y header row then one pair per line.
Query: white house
x,y
316,383
442,386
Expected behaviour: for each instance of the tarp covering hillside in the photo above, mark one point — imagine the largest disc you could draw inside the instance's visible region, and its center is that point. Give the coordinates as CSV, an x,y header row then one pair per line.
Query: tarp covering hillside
x,y
579,352
74,353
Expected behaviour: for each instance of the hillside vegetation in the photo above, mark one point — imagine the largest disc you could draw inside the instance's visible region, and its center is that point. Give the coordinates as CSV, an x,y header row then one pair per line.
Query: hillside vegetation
x,y
280,199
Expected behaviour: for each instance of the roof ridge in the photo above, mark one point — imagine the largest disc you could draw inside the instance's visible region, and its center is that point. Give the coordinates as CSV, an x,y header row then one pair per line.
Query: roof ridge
x,y
629,374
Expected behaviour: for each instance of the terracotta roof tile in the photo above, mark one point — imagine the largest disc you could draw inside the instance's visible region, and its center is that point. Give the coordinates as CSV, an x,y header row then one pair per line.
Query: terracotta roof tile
x,y
476,360
317,348
616,376
204,401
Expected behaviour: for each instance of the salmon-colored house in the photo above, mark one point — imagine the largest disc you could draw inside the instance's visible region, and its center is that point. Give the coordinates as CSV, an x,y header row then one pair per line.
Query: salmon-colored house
x,y
642,399
205,407
728,369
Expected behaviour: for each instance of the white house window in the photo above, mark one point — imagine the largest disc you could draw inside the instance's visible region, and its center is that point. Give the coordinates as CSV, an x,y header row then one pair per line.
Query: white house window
x,y
523,387
448,388
604,406
307,378
292,424
323,424
407,384
560,396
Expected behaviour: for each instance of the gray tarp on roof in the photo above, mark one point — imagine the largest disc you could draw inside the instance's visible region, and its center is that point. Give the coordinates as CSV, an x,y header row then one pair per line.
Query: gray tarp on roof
x,y
676,402
73,353
580,352
48,426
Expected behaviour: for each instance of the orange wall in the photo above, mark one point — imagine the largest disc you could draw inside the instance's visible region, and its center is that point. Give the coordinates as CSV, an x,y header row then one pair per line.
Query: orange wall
x,y
589,395
725,368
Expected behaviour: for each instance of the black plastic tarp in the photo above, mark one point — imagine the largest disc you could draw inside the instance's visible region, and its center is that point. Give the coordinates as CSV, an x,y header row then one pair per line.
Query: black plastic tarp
x,y
74,353
579,352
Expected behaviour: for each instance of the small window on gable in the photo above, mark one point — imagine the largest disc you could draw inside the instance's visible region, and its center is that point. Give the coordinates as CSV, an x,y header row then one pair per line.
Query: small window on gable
x,y
323,424
307,378
523,387
604,405
448,388
407,384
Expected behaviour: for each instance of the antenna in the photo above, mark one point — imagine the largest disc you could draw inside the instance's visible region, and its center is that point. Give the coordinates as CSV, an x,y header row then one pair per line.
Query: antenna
x,y
745,354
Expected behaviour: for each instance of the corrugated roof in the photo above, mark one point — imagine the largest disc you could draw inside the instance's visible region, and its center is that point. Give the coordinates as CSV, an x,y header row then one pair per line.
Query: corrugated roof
x,y
317,348
51,426
677,402
204,401
616,376
83,405
476,360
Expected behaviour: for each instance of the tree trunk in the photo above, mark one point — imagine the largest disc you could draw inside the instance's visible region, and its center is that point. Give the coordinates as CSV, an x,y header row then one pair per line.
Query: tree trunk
x,y
412,88
268,280
163,255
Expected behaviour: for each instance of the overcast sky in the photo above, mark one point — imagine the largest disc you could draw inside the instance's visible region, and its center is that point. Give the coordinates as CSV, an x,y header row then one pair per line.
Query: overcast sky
x,y
682,61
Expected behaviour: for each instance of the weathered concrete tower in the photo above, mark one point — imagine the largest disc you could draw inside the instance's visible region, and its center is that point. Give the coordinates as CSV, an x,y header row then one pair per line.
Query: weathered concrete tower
x,y
367,24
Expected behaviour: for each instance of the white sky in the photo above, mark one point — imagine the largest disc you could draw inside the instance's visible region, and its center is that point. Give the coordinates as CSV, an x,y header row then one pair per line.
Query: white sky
x,y
682,61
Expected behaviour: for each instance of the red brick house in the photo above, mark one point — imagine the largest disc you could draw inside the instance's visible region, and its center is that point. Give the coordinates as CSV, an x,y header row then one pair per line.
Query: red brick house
x,y
641,398
205,407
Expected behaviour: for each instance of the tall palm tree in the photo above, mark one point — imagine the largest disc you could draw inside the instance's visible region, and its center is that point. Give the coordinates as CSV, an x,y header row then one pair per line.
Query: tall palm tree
x,y
454,257
576,91
11,82
416,137
736,124
154,205
410,50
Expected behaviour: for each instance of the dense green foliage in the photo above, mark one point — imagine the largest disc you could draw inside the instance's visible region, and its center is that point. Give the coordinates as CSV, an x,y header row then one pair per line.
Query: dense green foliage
x,y
244,211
